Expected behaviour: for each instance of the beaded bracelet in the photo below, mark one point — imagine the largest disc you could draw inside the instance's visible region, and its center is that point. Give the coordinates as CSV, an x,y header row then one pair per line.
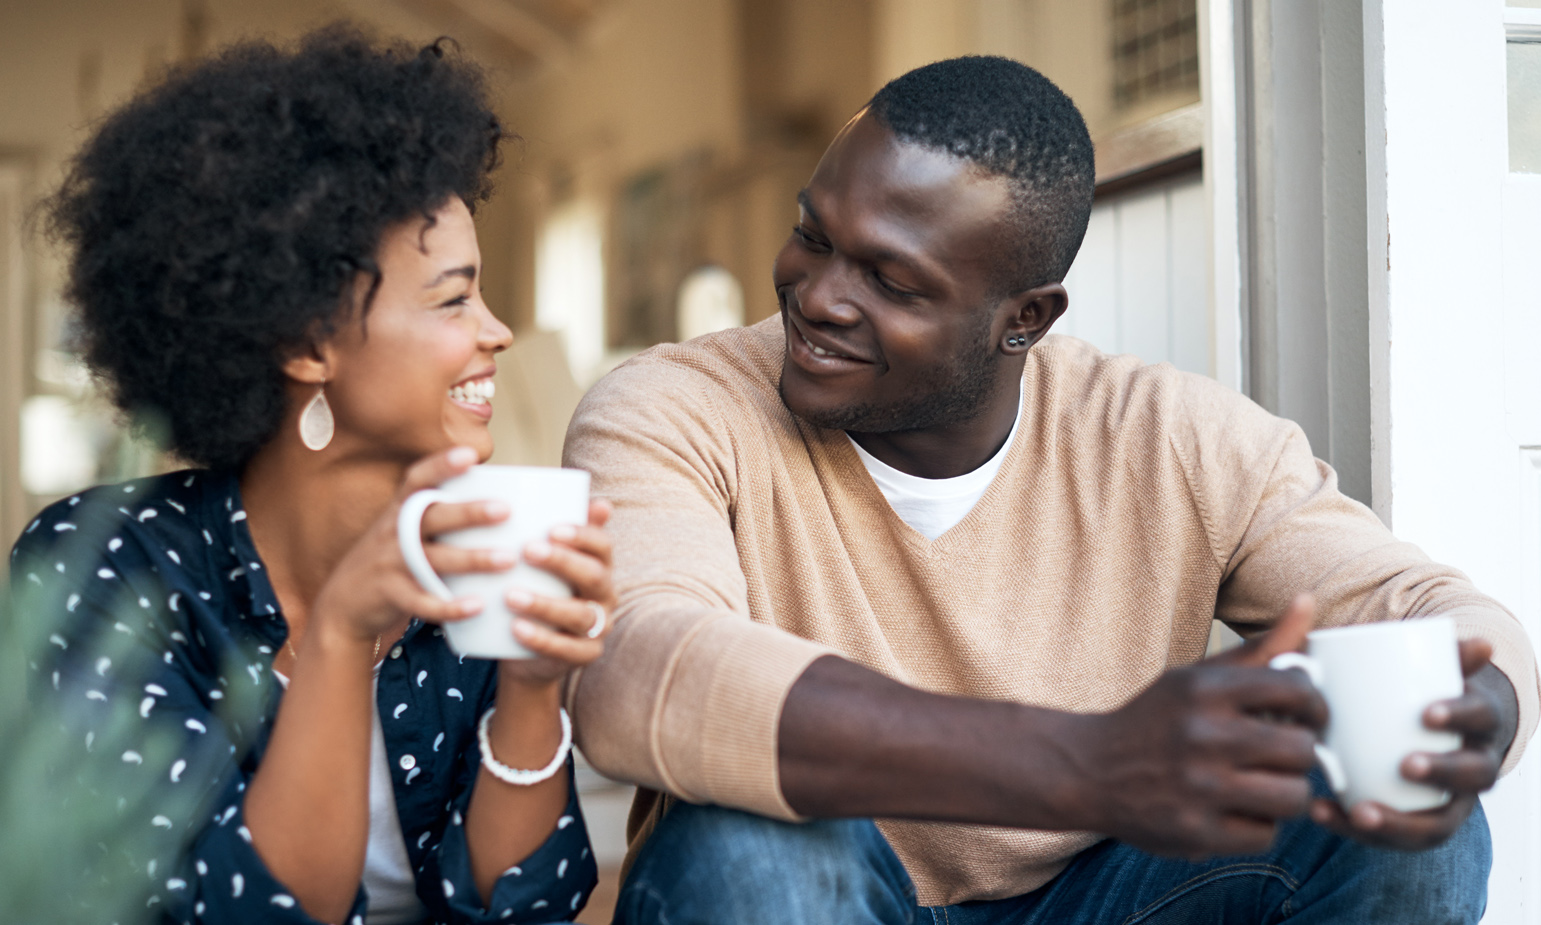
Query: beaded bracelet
x,y
515,776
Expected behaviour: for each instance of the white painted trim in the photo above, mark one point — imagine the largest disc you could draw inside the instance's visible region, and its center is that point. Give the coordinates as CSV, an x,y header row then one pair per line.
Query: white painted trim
x,y
1378,257
1223,167
1520,17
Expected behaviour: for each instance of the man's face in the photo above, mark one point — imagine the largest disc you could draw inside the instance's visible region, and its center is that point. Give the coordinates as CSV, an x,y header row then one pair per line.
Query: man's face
x,y
888,286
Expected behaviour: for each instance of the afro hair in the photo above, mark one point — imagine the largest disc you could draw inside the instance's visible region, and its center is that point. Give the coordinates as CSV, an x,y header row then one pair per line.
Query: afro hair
x,y
218,222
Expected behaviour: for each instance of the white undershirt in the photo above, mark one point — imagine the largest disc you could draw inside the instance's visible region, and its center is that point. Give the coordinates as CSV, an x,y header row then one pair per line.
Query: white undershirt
x,y
388,879
934,506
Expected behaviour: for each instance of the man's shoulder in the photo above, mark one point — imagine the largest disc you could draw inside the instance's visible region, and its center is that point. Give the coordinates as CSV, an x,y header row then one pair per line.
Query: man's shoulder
x,y
738,367
1122,394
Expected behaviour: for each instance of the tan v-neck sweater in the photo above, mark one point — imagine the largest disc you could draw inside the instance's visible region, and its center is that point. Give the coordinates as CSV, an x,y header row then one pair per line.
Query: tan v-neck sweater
x,y
1135,504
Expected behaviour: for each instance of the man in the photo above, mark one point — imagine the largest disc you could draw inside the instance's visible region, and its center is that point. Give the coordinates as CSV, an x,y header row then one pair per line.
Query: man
x,y
895,556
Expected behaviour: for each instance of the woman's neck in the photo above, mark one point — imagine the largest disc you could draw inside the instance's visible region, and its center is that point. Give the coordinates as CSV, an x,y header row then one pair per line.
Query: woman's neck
x,y
305,510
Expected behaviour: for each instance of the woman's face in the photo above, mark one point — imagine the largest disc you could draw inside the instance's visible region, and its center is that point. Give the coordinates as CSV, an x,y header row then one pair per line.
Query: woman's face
x,y
413,375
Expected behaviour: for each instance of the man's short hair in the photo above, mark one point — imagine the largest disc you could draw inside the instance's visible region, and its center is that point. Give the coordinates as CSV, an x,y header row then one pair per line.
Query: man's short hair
x,y
1013,122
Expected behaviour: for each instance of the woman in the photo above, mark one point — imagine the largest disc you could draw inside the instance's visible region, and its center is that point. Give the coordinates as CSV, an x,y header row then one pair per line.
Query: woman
x,y
273,253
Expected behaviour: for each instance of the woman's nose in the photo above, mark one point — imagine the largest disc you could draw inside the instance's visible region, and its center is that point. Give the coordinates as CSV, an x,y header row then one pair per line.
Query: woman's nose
x,y
494,336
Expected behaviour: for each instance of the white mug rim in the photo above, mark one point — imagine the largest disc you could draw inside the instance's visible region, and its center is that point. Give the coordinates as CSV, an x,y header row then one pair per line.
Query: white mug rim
x,y
1379,627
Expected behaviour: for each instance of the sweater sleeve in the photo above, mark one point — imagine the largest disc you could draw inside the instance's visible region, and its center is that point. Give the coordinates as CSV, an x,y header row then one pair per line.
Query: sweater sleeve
x,y
1291,531
687,698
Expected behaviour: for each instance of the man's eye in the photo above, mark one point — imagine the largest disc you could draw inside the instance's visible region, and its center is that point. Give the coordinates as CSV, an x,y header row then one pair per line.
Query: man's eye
x,y
807,239
890,288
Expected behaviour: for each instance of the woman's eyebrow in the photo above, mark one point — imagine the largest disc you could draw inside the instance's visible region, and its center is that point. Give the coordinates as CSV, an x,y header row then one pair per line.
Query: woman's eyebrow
x,y
468,271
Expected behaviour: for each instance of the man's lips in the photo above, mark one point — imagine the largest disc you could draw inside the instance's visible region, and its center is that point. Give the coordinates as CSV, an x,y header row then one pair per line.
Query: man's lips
x,y
817,347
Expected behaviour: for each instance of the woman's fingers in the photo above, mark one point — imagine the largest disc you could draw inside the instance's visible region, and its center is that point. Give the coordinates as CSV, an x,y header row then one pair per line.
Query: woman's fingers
x,y
412,599
599,512
545,641
452,560
430,471
574,616
447,517
588,576
590,540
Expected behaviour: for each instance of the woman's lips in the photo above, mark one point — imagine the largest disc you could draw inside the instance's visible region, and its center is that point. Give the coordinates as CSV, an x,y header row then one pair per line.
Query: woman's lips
x,y
475,395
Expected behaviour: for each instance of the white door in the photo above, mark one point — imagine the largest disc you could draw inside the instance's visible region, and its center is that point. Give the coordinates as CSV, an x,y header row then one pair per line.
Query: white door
x,y
1138,284
1454,246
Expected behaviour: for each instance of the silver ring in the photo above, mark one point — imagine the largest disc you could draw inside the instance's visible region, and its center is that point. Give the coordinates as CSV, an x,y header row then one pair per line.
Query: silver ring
x,y
599,619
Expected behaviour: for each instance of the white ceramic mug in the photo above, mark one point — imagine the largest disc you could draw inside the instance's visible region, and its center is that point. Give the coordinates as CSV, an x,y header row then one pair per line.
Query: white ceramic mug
x,y
541,498
1378,679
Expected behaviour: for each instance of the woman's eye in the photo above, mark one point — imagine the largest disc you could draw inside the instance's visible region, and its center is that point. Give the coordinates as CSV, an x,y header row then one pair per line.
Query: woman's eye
x,y
458,301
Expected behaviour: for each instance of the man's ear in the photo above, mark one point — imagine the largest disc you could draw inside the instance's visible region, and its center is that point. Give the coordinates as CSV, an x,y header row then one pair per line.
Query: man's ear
x,y
1033,312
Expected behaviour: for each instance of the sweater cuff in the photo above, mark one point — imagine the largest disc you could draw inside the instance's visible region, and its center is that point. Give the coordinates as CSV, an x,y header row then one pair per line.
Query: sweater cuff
x,y
1513,656
720,724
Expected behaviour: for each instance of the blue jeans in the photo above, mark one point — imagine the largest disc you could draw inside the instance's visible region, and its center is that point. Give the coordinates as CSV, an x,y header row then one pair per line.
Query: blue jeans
x,y
714,866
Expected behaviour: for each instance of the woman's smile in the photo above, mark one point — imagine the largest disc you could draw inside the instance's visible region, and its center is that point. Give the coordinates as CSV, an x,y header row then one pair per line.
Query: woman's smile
x,y
475,395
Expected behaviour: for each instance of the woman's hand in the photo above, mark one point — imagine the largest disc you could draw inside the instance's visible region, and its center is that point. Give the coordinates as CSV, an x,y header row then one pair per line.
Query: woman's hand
x,y
558,630
371,591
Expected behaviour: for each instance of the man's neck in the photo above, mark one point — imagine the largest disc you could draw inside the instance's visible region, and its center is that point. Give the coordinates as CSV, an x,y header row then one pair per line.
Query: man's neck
x,y
953,449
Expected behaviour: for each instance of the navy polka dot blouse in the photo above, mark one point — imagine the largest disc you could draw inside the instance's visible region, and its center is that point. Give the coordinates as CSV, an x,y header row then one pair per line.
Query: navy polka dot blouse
x,y
168,563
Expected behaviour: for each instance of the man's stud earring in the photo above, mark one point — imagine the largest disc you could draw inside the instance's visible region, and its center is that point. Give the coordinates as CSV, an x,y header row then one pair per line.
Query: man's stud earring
x,y
1015,341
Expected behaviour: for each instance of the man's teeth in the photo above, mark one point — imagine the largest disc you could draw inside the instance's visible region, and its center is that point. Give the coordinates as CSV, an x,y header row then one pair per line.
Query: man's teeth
x,y
475,392
820,351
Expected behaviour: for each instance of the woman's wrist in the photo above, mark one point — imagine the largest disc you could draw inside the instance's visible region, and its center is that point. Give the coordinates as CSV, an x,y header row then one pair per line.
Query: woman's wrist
x,y
522,694
526,728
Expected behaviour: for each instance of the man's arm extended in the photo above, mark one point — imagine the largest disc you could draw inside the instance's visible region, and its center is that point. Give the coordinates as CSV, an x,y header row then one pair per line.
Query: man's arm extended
x,y
1205,761
1199,764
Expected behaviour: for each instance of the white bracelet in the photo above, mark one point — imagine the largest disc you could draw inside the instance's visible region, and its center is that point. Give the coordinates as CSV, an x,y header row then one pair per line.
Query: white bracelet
x,y
516,776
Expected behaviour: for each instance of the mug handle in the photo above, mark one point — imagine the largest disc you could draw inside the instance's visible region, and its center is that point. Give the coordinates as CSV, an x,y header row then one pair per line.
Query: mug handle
x,y
1337,778
409,537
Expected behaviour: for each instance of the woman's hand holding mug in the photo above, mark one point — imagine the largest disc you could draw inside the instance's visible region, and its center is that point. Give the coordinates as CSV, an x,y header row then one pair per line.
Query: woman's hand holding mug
x,y
546,607
541,626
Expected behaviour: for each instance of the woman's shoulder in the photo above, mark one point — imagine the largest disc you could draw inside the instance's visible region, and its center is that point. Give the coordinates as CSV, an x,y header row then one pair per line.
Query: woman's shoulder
x,y
163,530
173,503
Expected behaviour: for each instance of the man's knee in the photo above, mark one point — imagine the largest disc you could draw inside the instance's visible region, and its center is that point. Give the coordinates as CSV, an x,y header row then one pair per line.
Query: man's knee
x,y
1451,880
709,864
1445,885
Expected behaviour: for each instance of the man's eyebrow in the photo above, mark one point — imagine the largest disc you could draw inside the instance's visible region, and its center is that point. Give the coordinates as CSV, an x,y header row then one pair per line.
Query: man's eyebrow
x,y
805,202
876,255
468,271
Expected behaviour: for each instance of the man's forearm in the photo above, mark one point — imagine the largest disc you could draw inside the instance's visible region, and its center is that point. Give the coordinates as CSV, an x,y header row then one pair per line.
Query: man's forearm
x,y
855,743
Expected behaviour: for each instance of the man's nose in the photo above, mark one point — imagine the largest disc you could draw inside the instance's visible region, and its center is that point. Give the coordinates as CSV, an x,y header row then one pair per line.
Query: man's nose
x,y
826,296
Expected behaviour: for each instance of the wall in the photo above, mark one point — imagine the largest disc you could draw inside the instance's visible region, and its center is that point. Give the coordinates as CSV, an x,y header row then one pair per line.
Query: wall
x,y
1139,283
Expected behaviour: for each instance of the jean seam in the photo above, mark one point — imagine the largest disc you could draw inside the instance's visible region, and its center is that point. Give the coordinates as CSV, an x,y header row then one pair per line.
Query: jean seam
x,y
1272,870
658,900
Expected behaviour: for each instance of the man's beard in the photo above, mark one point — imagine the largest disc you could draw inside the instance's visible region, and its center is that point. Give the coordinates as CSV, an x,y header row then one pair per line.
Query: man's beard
x,y
950,395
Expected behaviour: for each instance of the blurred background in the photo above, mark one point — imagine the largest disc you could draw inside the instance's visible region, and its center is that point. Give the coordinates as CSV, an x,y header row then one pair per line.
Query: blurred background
x,y
663,144
1280,185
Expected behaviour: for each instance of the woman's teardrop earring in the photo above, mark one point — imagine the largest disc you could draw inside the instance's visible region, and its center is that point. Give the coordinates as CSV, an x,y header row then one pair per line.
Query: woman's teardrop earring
x,y
316,423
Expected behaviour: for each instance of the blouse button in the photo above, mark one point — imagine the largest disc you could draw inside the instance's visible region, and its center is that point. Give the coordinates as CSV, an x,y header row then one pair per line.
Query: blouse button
x,y
408,762
396,652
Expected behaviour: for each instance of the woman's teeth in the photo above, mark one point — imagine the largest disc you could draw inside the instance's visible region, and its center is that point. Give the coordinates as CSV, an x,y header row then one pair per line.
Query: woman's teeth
x,y
475,392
